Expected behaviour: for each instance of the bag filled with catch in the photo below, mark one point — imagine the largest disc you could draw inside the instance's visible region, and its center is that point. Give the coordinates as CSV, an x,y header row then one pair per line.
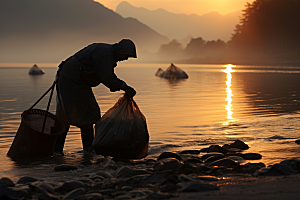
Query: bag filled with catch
x,y
122,131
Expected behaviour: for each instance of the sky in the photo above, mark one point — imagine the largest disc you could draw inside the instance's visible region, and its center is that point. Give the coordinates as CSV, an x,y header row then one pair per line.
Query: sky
x,y
184,6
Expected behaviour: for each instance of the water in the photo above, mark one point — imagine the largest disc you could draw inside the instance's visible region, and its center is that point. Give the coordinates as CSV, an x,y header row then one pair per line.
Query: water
x,y
216,105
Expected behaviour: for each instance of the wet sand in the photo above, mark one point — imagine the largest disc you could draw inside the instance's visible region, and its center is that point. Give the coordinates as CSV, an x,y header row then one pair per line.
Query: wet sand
x,y
259,188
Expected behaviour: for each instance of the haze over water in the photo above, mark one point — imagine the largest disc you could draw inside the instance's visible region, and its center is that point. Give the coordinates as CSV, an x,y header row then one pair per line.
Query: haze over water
x,y
215,105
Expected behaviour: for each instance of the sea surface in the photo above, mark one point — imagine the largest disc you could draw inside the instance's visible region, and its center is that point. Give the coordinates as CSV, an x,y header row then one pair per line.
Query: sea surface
x,y
217,104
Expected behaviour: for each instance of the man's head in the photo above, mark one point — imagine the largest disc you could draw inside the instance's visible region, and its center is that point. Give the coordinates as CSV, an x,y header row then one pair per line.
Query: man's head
x,y
124,49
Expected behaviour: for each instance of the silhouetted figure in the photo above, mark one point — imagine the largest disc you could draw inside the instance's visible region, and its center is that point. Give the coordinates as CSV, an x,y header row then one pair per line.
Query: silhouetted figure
x,y
88,68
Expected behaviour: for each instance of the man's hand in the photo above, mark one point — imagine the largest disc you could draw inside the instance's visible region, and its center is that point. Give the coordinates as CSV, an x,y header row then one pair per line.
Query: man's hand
x,y
129,91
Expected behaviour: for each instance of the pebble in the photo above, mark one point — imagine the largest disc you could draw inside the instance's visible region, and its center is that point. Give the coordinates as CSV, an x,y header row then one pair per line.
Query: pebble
x,y
104,174
298,141
128,172
91,196
136,193
158,195
225,162
110,165
65,167
71,185
217,148
97,186
202,169
169,155
204,150
251,156
275,170
86,181
127,188
167,176
282,169
6,182
17,193
216,155
97,178
155,179
184,178
293,163
238,159
194,160
26,179
168,188
233,150
48,196
167,164
239,145
47,187
248,168
123,197
195,152
75,193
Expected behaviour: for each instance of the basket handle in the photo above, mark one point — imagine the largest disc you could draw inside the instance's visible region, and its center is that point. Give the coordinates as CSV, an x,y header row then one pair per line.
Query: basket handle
x,y
51,88
49,101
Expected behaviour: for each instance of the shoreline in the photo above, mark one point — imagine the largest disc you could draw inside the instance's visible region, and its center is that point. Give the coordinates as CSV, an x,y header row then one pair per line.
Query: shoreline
x,y
211,173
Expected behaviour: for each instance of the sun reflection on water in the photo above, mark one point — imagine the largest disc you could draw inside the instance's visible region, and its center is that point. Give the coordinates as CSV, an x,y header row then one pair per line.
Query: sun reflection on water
x,y
228,106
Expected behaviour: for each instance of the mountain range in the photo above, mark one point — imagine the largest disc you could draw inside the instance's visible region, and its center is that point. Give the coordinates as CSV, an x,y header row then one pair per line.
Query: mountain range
x,y
210,26
52,30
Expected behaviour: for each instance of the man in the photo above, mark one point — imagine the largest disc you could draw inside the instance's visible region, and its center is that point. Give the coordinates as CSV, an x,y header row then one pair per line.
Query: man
x,y
88,68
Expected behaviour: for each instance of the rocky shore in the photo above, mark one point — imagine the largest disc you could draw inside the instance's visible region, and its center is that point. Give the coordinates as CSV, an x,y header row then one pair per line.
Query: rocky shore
x,y
216,172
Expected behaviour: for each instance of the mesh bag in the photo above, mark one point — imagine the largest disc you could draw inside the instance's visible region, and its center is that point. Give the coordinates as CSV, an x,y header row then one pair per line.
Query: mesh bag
x,y
122,131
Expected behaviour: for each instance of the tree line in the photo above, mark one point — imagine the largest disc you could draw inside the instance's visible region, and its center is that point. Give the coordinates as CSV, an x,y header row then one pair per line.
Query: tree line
x,y
269,31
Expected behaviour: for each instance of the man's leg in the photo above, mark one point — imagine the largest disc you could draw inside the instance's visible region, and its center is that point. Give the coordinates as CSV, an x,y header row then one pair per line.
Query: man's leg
x,y
87,137
60,142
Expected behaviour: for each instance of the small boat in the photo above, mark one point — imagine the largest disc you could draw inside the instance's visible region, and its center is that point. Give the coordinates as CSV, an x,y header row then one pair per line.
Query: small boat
x,y
35,70
172,72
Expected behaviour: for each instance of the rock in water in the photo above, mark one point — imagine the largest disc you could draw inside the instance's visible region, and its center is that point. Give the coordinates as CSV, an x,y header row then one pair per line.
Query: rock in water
x,y
26,179
35,70
251,156
216,155
275,170
169,155
239,145
225,162
65,167
217,148
172,72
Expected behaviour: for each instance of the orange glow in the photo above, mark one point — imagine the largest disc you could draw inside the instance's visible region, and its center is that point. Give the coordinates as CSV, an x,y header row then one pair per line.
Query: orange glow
x,y
228,106
199,7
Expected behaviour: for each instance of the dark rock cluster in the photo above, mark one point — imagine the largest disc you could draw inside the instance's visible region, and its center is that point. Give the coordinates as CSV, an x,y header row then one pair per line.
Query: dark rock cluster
x,y
171,174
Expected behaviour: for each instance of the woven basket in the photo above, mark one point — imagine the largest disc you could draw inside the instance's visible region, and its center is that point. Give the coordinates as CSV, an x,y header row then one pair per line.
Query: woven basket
x,y
31,140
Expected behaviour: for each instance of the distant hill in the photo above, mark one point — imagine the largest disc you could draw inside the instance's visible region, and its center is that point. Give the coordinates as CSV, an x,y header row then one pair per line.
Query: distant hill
x,y
210,26
52,30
